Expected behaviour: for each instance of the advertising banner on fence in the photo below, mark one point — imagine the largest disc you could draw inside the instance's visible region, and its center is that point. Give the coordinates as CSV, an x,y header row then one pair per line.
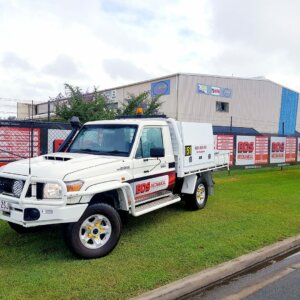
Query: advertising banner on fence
x,y
251,150
225,142
298,147
16,142
245,150
277,150
291,149
261,150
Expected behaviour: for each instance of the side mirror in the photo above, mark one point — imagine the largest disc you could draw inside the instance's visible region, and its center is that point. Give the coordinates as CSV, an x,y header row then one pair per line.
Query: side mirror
x,y
157,152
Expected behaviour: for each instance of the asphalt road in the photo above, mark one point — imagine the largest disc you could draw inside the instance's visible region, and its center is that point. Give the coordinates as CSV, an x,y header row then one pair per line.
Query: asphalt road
x,y
278,281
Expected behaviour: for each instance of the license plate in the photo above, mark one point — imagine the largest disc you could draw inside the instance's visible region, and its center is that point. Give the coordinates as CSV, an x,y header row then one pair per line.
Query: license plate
x,y
4,206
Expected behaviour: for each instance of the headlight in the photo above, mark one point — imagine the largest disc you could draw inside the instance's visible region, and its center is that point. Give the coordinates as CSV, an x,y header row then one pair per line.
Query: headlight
x,y
74,186
52,191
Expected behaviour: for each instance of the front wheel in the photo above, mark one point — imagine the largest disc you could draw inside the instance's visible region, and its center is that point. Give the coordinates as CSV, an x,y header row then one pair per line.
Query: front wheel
x,y
199,198
96,233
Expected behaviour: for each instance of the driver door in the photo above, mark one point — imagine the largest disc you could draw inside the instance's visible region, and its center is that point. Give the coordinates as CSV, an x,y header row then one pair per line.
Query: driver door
x,y
149,172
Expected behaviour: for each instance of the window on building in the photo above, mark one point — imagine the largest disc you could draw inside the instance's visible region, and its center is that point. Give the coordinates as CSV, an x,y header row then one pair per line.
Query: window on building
x,y
222,106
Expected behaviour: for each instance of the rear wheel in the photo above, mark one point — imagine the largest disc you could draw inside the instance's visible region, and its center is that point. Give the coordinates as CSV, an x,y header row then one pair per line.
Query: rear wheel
x,y
96,233
199,198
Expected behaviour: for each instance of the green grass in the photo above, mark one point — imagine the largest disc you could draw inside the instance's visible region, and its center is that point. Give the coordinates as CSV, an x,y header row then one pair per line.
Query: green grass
x,y
250,209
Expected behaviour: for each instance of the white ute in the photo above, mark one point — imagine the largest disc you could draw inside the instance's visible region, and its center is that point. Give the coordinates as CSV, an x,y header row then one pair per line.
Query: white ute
x,y
107,170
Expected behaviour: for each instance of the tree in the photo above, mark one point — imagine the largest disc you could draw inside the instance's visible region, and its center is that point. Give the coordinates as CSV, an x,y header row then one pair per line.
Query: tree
x,y
150,104
73,103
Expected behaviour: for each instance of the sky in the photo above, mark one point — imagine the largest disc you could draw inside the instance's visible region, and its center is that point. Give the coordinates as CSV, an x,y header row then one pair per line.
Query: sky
x,y
104,44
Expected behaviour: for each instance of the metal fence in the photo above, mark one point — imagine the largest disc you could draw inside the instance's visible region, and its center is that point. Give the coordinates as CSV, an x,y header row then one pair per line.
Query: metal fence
x,y
23,139
256,151
248,149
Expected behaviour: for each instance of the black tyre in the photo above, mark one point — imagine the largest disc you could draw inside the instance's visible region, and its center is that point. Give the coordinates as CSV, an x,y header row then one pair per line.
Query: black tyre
x,y
19,228
96,233
199,198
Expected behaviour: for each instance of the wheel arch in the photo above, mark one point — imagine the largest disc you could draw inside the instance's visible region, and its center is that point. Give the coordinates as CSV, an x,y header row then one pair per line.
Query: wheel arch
x,y
116,194
189,182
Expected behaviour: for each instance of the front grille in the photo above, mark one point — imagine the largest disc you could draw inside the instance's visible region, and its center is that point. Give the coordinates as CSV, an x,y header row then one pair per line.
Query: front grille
x,y
39,191
6,185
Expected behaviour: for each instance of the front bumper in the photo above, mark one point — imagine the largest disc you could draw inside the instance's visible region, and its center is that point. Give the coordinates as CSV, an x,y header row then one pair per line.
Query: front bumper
x,y
50,211
48,214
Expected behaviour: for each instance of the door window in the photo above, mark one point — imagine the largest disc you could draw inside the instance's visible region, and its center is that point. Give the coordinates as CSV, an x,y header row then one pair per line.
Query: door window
x,y
151,138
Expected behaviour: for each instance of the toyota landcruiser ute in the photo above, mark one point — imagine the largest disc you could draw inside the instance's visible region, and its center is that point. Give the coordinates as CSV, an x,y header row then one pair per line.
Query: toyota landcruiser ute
x,y
106,170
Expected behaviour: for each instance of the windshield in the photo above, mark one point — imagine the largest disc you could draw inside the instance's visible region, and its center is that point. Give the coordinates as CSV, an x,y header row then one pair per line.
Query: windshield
x,y
116,140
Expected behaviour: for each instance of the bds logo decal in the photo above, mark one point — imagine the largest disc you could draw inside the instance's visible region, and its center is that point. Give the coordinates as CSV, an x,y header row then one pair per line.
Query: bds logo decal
x,y
142,187
151,185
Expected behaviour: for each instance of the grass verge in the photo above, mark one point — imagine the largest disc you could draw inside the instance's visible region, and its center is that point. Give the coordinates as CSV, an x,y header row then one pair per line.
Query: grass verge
x,y
250,209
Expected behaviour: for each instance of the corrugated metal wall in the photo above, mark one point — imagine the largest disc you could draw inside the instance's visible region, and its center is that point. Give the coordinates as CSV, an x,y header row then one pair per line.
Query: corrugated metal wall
x,y
253,103
169,105
288,113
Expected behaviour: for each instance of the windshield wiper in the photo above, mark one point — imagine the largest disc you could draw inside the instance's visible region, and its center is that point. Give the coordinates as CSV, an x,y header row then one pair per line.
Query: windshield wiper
x,y
84,150
115,152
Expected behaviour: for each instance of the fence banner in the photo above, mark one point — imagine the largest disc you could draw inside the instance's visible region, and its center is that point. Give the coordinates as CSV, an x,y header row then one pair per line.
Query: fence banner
x,y
261,150
277,150
245,150
291,149
225,142
18,141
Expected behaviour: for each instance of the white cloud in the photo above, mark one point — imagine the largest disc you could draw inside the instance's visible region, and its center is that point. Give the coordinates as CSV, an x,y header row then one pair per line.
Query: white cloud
x,y
109,43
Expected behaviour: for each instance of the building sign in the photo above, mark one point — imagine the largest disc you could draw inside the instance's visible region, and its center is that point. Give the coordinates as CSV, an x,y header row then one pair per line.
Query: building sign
x,y
277,150
160,88
291,149
213,90
18,141
225,142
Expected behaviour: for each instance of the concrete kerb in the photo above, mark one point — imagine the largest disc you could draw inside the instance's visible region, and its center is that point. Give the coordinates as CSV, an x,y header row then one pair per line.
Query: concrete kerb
x,y
222,272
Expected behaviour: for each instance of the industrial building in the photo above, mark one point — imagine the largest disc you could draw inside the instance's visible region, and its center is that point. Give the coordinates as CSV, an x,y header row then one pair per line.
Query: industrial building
x,y
256,103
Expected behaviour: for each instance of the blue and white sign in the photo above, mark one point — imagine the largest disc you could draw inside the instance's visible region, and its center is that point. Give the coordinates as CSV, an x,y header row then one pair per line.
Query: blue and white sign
x,y
160,88
213,90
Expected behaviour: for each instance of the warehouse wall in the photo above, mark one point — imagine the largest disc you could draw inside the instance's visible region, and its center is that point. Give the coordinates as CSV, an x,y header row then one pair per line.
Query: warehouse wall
x,y
252,103
257,103
169,100
288,112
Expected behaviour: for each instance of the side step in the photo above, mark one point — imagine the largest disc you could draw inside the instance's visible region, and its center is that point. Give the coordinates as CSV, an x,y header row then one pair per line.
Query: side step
x,y
154,205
